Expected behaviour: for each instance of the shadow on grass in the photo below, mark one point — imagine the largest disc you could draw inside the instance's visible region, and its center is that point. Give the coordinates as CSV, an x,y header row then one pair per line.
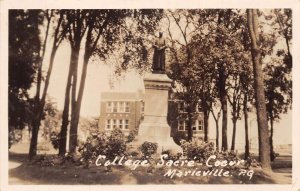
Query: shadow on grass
x,y
18,157
62,175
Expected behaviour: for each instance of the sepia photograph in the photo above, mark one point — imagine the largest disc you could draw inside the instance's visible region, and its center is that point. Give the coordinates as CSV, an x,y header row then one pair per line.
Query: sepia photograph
x,y
150,96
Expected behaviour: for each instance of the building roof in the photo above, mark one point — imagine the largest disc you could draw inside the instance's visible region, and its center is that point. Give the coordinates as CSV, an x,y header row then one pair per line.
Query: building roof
x,y
119,96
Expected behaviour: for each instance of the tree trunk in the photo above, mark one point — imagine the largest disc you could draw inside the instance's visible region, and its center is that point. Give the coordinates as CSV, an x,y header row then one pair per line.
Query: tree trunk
x,y
206,108
73,129
224,123
90,46
74,123
206,116
271,140
65,117
216,118
223,100
217,135
264,145
247,146
39,77
34,138
233,135
190,130
47,81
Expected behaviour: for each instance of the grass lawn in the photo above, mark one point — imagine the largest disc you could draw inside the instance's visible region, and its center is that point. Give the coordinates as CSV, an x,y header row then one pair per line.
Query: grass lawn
x,y
23,172
67,174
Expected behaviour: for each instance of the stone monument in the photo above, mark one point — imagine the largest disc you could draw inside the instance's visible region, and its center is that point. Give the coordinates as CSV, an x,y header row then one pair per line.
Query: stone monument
x,y
154,127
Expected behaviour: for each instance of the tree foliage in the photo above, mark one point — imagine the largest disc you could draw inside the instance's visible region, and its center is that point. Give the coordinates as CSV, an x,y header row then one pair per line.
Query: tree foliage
x,y
24,55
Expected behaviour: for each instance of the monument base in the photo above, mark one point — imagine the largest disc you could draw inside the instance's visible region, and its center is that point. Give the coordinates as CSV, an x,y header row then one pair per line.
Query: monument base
x,y
154,127
157,133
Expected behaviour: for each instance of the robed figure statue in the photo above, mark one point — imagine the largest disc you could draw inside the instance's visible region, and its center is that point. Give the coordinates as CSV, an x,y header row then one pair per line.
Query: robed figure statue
x,y
159,46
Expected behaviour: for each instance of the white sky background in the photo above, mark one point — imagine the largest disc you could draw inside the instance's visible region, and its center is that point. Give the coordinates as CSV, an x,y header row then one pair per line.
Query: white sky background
x,y
97,81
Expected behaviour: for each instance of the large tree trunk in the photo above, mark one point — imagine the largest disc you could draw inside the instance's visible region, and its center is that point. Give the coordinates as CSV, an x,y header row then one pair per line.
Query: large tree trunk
x,y
73,129
223,99
224,123
47,81
271,140
78,35
264,145
247,146
65,117
233,135
34,137
76,102
40,109
206,116
189,124
75,121
216,118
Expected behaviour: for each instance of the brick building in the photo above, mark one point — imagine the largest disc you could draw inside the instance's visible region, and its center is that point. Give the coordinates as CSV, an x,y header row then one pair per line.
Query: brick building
x,y
178,119
125,111
121,109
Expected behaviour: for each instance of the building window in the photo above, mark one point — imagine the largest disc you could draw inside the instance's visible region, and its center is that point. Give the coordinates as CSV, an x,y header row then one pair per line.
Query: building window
x,y
200,125
198,107
115,107
181,125
121,107
142,106
182,107
114,124
108,124
109,107
194,126
120,124
126,124
127,107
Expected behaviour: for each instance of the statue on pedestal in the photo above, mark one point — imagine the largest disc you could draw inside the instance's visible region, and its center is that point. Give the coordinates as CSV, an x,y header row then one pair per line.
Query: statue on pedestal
x,y
158,65
154,126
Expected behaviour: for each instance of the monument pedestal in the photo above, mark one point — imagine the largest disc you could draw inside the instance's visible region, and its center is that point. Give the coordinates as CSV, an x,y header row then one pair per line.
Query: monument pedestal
x,y
154,127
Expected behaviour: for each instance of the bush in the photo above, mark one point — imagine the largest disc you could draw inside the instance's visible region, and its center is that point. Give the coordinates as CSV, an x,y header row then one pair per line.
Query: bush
x,y
131,136
54,138
251,162
274,155
148,148
110,145
95,145
179,136
197,150
171,155
116,145
14,136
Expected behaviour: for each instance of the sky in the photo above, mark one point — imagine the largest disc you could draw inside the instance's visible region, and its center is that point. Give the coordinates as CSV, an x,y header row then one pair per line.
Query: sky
x,y
98,77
